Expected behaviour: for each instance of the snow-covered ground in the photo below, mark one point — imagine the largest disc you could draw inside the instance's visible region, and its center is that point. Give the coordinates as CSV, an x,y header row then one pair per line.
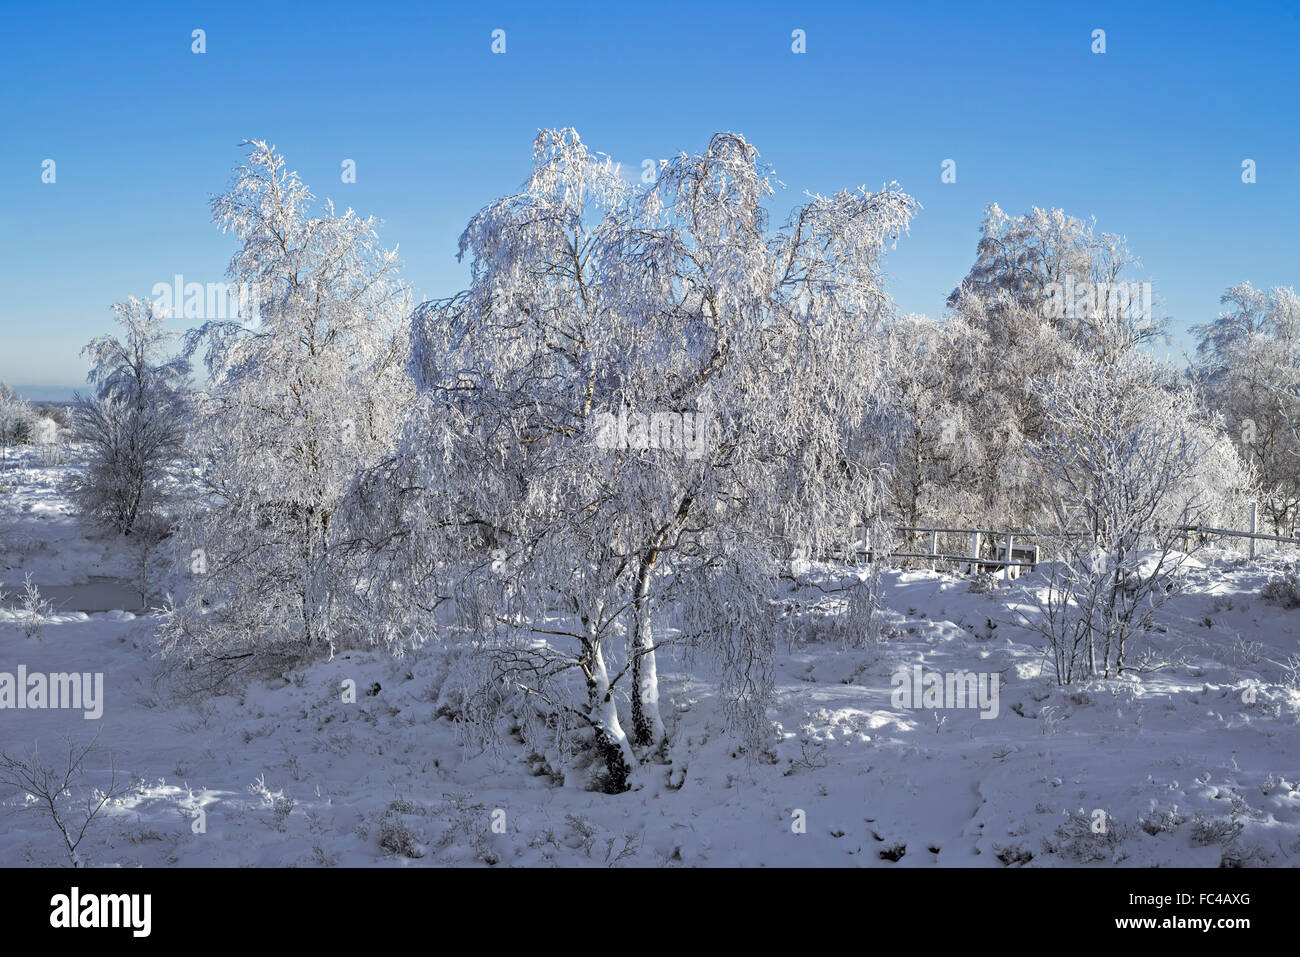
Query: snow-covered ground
x,y
1194,762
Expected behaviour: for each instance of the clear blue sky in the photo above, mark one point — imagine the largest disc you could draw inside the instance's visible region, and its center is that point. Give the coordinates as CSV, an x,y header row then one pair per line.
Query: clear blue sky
x,y
1148,137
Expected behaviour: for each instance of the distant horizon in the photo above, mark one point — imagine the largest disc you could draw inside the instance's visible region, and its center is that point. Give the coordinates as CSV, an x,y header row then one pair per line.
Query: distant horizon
x,y
42,393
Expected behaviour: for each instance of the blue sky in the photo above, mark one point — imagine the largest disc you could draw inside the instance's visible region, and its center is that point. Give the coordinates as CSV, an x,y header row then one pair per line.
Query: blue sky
x,y
1148,137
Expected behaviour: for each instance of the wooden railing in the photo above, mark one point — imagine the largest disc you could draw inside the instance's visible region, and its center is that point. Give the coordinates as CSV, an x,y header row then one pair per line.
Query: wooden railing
x,y
1006,552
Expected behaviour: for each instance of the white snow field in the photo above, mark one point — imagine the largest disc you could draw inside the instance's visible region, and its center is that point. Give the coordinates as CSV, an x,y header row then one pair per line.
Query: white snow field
x,y
1195,761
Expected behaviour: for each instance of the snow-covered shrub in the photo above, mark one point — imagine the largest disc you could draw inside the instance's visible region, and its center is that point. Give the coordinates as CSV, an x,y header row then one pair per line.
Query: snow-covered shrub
x,y
150,559
127,460
50,440
1161,821
1214,830
395,835
1223,484
1122,469
847,612
468,689
56,414
1284,589
34,611
1291,674
1012,854
17,420
132,427
1088,838
279,804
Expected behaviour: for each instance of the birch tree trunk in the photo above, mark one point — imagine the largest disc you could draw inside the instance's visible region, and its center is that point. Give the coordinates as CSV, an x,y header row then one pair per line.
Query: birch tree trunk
x,y
647,723
610,741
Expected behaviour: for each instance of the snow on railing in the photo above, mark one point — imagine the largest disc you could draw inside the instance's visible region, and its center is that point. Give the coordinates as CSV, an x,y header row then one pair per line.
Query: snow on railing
x,y
1008,555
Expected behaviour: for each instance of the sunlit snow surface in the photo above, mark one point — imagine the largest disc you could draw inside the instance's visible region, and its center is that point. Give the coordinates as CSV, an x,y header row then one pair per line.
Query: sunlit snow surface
x,y
1194,763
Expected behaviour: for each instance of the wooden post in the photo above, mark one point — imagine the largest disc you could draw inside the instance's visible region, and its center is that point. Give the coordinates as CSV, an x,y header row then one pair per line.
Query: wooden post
x,y
1254,525
1006,569
974,552
934,548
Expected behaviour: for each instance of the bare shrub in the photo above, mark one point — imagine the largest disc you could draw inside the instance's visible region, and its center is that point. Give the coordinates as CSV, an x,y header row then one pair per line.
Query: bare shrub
x,y
59,791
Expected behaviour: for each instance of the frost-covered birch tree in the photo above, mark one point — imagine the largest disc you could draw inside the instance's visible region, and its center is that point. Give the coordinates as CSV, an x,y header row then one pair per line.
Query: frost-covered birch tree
x,y
1061,269
1248,365
1044,287
641,388
300,396
133,425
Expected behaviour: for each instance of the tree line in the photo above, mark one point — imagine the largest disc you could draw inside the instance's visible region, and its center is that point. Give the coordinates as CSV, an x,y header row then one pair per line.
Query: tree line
x,y
361,469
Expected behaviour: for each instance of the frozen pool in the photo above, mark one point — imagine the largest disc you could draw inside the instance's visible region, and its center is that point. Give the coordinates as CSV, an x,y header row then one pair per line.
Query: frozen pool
x,y
98,594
